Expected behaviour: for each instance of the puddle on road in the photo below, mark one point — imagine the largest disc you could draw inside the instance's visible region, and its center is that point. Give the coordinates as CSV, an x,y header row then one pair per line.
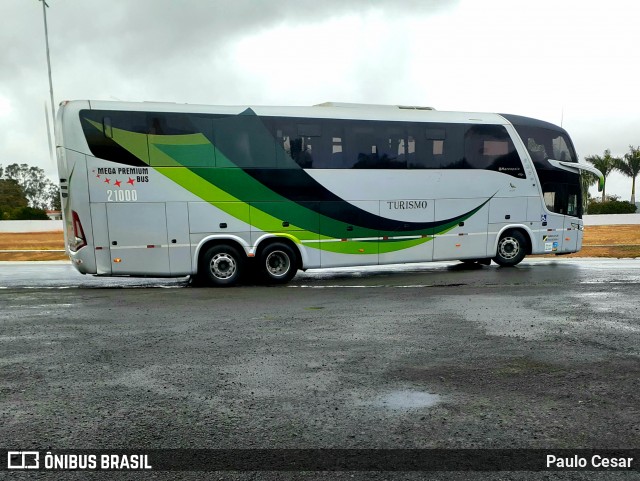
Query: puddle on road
x,y
407,399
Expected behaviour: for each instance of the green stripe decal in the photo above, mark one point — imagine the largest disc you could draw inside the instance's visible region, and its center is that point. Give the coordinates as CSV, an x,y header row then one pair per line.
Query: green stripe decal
x,y
231,189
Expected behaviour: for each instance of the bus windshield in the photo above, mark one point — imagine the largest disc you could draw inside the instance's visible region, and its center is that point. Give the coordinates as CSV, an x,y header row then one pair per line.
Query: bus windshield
x,y
561,190
544,144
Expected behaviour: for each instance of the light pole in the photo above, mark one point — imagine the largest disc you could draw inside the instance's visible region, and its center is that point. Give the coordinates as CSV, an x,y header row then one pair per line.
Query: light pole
x,y
53,107
46,40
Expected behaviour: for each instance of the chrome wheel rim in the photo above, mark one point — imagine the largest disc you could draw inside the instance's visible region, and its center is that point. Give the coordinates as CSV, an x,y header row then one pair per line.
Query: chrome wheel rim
x,y
223,266
278,263
509,248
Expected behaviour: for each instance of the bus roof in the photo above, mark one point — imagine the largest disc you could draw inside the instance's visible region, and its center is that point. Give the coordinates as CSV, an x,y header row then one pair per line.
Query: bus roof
x,y
329,110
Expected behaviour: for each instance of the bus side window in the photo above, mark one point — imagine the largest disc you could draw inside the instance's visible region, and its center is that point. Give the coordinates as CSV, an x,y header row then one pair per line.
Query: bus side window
x,y
308,145
282,131
375,145
562,198
435,146
489,147
299,144
329,149
430,146
101,141
245,141
107,128
177,139
169,124
391,148
336,152
361,152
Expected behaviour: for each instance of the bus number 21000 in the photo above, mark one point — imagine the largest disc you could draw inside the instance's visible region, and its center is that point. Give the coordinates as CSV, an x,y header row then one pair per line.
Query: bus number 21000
x,y
122,195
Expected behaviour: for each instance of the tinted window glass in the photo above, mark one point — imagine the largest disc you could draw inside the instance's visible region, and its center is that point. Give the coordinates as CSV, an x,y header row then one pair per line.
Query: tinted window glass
x,y
336,151
391,148
375,145
489,147
180,139
99,128
303,144
243,141
169,124
562,198
310,130
543,144
435,146
561,191
339,144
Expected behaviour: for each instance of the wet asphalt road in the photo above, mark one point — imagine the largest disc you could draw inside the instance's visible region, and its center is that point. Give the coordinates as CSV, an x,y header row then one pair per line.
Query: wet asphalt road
x,y
437,355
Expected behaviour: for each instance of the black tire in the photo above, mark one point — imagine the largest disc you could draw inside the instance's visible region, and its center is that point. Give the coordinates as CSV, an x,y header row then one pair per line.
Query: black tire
x,y
512,247
222,266
278,263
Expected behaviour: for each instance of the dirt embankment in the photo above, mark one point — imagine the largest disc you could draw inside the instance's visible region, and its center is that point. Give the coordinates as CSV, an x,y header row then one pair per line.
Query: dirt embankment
x,y
40,241
610,241
599,241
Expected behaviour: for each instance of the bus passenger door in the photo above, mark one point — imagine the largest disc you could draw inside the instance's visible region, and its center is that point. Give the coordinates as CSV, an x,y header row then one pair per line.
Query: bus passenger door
x,y
138,238
562,200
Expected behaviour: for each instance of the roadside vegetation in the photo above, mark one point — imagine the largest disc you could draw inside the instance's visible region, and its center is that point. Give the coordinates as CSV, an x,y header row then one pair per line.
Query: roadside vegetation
x,y
628,165
26,193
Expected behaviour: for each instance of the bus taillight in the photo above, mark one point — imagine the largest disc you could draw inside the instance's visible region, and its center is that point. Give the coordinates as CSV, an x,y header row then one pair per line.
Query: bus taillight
x,y
79,239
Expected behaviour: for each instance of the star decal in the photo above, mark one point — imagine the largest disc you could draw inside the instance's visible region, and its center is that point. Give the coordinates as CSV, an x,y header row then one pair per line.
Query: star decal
x,y
107,180
117,183
130,181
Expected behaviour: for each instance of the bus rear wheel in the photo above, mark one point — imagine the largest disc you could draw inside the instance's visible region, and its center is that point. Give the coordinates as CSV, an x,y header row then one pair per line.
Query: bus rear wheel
x,y
512,247
222,266
278,263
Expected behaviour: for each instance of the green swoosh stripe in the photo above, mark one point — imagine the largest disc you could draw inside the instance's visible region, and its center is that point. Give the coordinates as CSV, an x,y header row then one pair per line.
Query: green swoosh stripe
x,y
232,190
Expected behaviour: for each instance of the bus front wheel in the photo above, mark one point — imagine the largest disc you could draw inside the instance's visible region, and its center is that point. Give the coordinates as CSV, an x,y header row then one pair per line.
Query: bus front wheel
x,y
222,266
512,247
278,263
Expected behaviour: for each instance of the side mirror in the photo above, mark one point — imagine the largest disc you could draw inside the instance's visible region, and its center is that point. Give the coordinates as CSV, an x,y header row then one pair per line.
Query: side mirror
x,y
576,167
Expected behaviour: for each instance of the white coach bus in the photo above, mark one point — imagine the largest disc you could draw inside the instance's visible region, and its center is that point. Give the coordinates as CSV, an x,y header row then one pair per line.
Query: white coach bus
x,y
228,193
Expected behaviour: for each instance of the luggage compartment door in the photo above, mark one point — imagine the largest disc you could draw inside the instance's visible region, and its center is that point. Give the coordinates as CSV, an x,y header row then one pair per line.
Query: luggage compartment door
x,y
138,238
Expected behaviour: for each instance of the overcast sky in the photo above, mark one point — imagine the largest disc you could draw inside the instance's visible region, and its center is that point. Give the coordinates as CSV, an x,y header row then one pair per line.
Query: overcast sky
x,y
563,61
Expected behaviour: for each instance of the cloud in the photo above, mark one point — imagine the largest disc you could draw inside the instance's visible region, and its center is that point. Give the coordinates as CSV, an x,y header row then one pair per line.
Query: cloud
x,y
5,106
569,61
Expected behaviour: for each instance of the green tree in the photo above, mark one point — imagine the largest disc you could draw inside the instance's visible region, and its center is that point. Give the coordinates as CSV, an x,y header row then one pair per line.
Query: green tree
x,y
29,213
587,179
630,166
35,184
604,164
53,194
11,197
